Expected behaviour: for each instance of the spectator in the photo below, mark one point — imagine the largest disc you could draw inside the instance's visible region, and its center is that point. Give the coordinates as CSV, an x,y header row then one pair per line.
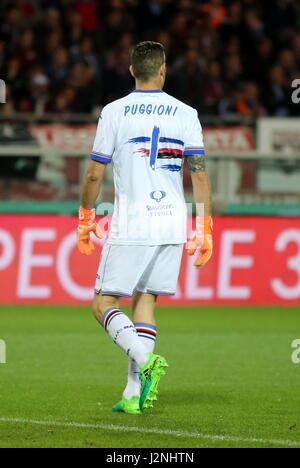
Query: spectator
x,y
11,27
207,36
213,89
59,68
88,13
40,92
286,60
252,101
52,22
117,76
233,71
216,12
277,93
224,56
74,25
81,80
279,17
63,101
26,50
255,29
232,106
187,76
85,53
47,50
16,80
115,28
153,15
259,63
243,102
296,50
232,22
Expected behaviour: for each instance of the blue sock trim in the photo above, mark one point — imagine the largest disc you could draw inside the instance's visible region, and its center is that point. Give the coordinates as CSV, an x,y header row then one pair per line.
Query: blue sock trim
x,y
147,336
142,324
106,314
111,318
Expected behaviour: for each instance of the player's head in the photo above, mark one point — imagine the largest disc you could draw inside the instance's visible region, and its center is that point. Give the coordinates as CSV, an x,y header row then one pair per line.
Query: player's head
x,y
148,63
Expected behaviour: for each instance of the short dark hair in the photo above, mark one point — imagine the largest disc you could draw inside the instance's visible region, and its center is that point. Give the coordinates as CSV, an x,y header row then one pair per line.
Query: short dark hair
x,y
147,58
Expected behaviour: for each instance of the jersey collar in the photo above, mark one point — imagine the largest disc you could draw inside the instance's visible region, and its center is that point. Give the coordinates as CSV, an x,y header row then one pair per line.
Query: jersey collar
x,y
148,91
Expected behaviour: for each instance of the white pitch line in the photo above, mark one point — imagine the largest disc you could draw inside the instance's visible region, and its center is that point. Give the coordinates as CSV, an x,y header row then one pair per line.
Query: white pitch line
x,y
144,430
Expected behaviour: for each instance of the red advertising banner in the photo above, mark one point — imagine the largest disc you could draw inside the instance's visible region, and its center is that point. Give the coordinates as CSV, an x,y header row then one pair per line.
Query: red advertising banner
x,y
229,139
256,261
55,137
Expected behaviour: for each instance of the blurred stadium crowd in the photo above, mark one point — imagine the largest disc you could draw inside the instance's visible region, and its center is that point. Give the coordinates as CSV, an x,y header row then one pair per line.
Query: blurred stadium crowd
x,y
224,57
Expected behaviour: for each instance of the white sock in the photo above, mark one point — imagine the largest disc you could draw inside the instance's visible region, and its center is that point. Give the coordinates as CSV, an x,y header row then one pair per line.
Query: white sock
x,y
121,329
147,334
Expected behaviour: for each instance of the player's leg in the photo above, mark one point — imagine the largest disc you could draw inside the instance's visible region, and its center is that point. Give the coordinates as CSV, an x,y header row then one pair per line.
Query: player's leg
x,y
161,279
123,332
121,269
143,306
112,283
119,327
101,302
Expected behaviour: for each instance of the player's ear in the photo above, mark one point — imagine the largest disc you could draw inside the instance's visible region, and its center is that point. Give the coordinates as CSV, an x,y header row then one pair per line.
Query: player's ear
x,y
163,70
131,71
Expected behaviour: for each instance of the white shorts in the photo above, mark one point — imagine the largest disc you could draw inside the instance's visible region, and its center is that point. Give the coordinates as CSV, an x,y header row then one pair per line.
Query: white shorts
x,y
125,269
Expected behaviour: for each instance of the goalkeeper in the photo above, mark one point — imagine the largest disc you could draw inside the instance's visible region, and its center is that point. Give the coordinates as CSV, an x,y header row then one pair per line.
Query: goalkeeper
x,y
147,135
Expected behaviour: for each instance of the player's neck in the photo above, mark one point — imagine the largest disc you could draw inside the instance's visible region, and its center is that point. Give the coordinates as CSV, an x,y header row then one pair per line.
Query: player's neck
x,y
148,86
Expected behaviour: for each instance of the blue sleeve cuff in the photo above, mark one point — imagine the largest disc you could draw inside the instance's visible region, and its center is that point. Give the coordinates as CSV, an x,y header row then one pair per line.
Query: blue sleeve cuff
x,y
101,157
195,150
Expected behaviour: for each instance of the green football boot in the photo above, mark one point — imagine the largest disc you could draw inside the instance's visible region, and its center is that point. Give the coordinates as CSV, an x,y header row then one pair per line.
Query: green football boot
x,y
150,375
128,405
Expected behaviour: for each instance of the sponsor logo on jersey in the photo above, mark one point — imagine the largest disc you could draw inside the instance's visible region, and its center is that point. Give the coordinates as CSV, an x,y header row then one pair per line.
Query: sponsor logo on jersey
x,y
158,195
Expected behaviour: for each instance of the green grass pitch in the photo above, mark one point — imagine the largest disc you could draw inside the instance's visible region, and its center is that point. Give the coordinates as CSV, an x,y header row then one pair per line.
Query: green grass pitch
x,y
231,380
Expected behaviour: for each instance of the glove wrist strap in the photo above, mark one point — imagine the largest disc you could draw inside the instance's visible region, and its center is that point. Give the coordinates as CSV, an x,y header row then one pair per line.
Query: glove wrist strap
x,y
87,217
204,224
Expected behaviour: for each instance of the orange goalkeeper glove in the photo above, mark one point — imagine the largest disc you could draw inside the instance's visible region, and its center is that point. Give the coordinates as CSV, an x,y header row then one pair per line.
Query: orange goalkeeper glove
x,y
87,224
202,240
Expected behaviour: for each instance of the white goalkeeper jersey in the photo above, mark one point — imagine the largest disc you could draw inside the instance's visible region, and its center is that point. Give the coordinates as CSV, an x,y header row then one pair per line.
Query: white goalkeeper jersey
x,y
147,135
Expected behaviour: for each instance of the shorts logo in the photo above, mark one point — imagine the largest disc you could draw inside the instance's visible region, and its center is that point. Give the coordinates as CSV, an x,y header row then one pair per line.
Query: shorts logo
x,y
158,195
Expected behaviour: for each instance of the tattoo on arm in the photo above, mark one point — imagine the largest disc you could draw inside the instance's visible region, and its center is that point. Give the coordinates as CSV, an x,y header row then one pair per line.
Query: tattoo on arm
x,y
196,163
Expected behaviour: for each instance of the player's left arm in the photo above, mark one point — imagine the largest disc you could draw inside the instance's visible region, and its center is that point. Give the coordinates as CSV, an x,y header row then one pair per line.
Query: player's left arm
x,y
202,195
195,154
201,185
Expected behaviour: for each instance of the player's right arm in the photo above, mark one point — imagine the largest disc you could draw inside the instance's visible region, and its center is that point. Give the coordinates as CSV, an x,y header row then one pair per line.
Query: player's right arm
x,y
92,184
101,156
195,154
